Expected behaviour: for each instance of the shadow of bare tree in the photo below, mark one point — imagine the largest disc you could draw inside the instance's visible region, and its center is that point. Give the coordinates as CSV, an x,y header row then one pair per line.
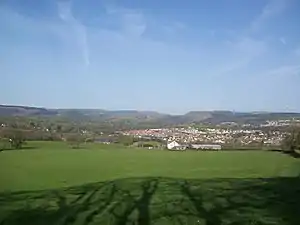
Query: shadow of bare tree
x,y
156,200
294,154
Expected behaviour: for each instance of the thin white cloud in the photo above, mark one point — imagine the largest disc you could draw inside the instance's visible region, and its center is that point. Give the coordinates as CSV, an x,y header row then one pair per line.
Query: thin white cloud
x,y
297,52
27,25
132,22
212,33
172,29
241,52
132,25
179,25
65,13
272,9
246,47
284,72
250,47
282,40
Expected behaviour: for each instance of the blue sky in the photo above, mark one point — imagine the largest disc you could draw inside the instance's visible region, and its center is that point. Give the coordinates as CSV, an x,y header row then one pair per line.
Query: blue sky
x,y
170,56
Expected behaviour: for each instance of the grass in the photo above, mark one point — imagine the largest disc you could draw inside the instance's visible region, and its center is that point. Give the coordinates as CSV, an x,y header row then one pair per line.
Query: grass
x,y
101,184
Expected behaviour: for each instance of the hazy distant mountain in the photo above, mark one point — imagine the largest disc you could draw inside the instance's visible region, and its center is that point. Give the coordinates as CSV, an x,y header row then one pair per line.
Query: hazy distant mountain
x,y
211,117
250,118
195,116
11,110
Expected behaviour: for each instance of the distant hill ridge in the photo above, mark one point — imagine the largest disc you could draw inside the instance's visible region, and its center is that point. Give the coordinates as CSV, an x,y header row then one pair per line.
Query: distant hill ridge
x,y
15,110
213,117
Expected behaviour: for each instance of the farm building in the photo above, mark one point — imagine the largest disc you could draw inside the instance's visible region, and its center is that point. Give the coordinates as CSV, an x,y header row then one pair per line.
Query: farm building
x,y
176,146
206,146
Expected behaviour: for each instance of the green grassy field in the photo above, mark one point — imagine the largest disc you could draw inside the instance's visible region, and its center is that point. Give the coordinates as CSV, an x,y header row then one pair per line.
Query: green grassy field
x,y
49,183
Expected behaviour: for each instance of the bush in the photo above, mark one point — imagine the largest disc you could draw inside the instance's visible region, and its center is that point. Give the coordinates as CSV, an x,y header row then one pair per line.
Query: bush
x,y
291,142
15,136
75,140
4,144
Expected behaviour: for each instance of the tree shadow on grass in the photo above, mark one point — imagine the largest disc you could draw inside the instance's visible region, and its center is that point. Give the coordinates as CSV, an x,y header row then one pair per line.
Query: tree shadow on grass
x,y
140,203
18,149
156,200
294,154
28,147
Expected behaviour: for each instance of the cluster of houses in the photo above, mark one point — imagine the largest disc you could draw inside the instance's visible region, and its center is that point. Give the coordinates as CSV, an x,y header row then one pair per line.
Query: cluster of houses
x,y
217,135
174,145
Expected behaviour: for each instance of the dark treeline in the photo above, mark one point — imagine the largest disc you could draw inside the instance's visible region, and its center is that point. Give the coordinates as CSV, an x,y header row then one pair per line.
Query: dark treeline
x,y
67,125
291,143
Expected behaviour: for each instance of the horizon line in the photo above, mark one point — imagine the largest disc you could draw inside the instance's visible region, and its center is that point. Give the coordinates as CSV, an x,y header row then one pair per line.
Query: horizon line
x,y
155,111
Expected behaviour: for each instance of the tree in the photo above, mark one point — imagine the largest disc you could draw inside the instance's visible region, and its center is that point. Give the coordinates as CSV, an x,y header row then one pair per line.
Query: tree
x,y
4,144
16,137
32,125
126,140
58,128
292,141
75,140
298,140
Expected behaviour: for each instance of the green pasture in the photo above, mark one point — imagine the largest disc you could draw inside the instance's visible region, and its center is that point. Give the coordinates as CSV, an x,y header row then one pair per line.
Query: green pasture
x,y
50,183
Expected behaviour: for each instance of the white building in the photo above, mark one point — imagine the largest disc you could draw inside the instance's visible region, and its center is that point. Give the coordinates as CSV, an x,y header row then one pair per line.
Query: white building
x,y
173,145
205,146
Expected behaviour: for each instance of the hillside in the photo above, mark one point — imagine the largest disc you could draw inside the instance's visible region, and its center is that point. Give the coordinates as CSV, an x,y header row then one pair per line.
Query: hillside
x,y
218,117
11,110
146,117
100,114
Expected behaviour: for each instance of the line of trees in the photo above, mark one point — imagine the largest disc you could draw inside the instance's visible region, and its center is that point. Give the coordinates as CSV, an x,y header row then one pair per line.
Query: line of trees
x,y
75,140
291,142
15,138
12,139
